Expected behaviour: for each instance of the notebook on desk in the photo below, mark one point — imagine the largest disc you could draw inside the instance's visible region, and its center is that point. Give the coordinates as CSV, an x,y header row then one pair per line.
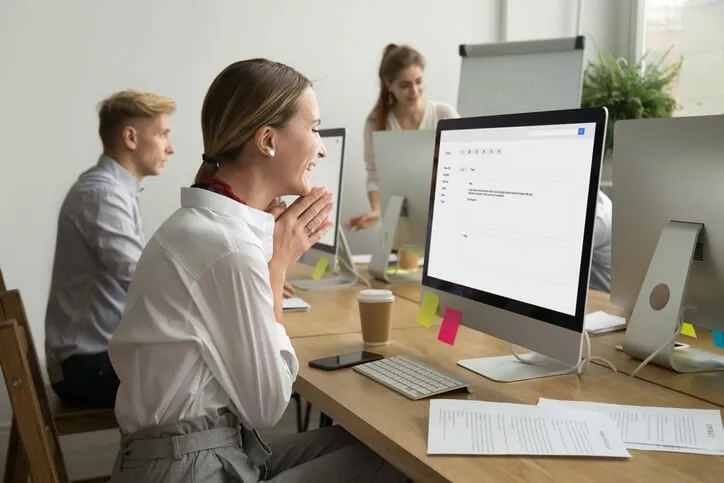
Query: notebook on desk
x,y
295,304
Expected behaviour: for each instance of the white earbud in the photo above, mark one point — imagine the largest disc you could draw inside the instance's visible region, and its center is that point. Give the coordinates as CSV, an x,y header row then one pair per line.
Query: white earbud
x,y
271,153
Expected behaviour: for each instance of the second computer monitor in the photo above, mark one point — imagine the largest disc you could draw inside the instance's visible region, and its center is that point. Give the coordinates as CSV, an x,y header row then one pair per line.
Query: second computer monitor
x,y
512,213
403,162
668,235
328,173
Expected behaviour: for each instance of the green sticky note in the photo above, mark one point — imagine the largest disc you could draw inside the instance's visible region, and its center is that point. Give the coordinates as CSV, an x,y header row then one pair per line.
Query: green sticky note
x,y
395,270
321,267
688,330
428,309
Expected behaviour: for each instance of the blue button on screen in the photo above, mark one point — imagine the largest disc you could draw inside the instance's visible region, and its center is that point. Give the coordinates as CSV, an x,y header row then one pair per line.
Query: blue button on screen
x,y
581,131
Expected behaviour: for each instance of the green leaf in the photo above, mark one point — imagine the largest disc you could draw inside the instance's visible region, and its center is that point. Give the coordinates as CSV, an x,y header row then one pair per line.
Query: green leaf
x,y
630,90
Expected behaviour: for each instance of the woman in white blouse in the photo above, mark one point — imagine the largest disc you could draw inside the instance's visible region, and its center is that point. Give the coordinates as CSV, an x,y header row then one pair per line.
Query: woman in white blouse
x,y
202,359
400,105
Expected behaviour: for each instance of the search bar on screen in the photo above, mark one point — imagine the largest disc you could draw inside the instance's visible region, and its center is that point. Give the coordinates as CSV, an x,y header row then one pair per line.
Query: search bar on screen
x,y
562,132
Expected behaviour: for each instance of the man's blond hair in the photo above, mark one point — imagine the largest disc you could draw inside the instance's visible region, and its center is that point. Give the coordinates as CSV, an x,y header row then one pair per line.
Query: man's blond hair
x,y
118,110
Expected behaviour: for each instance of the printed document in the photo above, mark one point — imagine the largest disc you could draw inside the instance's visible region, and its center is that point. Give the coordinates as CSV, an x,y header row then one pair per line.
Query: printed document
x,y
487,428
658,428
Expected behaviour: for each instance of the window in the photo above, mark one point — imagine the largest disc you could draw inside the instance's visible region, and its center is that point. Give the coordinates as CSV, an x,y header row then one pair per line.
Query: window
x,y
694,31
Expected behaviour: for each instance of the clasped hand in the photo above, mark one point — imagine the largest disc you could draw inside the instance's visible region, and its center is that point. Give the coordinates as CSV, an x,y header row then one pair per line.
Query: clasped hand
x,y
299,226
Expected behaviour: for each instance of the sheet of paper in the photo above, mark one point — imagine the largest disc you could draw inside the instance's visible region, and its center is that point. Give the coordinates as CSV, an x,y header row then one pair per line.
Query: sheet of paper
x,y
602,322
366,258
657,428
294,304
486,428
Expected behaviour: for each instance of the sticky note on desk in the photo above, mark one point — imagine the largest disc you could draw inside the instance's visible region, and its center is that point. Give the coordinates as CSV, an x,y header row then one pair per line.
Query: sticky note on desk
x,y
428,309
718,337
688,330
321,267
450,324
395,270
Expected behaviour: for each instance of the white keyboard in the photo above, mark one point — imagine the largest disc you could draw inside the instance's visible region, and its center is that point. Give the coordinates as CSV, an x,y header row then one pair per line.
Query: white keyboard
x,y
410,377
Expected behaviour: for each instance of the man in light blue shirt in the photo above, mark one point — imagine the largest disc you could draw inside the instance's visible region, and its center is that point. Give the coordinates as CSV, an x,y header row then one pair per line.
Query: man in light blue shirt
x,y
99,241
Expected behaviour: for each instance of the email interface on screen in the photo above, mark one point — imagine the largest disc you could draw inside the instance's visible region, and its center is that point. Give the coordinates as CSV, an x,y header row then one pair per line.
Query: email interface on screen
x,y
509,211
327,174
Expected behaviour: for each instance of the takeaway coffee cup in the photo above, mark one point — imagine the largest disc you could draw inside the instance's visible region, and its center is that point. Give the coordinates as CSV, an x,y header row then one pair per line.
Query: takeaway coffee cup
x,y
375,307
408,259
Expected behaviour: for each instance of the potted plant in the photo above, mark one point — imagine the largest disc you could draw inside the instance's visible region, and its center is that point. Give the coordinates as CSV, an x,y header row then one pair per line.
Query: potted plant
x,y
630,91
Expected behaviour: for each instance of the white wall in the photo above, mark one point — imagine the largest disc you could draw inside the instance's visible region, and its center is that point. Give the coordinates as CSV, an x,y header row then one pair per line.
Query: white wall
x,y
605,23
61,58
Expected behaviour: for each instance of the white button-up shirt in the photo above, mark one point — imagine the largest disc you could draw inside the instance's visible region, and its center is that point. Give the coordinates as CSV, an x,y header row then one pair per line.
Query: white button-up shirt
x,y
199,331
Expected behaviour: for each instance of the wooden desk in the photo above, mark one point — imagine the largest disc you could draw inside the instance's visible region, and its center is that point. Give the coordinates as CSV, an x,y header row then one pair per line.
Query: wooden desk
x,y
705,386
336,311
406,290
396,427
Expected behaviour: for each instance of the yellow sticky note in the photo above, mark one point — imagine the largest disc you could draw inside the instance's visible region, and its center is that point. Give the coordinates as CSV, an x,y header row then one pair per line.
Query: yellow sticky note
x,y
688,329
428,309
321,267
395,270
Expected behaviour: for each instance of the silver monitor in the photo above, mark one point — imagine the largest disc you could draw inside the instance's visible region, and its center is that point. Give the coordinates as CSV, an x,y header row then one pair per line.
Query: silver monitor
x,y
668,235
333,246
404,162
510,233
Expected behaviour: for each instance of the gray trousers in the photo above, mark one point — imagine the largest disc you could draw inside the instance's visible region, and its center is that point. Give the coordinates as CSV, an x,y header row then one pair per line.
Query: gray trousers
x,y
219,449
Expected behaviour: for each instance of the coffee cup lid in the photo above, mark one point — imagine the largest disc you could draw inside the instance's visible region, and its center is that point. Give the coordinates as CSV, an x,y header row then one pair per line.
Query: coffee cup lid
x,y
376,296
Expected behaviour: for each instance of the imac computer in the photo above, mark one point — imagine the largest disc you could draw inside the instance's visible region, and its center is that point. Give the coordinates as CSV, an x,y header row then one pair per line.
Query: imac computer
x,y
510,232
668,236
333,245
403,160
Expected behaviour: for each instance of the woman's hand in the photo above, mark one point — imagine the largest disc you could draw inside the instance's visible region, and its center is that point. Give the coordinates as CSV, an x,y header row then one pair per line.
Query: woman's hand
x,y
288,290
363,221
300,226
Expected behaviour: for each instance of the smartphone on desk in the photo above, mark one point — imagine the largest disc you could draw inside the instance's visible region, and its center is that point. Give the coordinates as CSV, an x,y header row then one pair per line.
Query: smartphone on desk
x,y
341,361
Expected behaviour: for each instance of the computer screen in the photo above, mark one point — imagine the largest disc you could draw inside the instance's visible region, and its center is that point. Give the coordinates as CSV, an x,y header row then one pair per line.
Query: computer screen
x,y
404,166
510,231
328,173
509,211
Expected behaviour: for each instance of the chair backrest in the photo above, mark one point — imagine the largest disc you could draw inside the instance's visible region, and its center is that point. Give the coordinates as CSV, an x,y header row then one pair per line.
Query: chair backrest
x,y
37,432
3,288
11,307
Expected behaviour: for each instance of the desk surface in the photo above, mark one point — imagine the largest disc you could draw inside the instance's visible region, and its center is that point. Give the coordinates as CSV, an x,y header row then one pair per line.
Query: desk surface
x,y
397,427
705,386
336,311
341,308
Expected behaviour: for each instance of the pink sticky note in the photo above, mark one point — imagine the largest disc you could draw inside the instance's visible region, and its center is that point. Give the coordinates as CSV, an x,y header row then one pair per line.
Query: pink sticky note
x,y
450,324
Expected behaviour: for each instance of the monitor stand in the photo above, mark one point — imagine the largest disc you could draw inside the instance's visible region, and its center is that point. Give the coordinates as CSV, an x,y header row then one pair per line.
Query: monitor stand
x,y
511,369
346,277
656,314
380,261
